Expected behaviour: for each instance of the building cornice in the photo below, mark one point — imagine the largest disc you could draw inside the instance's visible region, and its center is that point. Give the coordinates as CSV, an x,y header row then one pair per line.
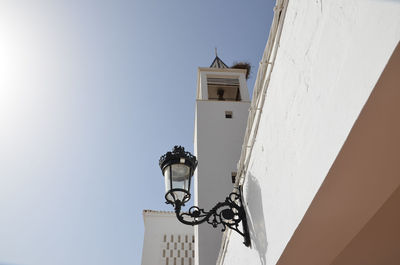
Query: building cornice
x,y
157,213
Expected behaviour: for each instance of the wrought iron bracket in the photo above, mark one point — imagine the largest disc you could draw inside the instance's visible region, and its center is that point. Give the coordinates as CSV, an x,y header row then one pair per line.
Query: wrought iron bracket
x,y
229,213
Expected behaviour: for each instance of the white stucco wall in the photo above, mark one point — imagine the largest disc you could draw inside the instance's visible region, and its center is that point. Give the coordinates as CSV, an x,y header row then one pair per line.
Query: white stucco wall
x,y
330,57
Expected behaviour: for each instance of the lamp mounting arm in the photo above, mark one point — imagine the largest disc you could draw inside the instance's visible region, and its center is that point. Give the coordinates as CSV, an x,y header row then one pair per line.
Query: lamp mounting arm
x,y
229,213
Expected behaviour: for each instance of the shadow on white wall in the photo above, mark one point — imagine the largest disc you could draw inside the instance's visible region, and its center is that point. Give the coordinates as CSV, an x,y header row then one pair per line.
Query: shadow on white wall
x,y
256,220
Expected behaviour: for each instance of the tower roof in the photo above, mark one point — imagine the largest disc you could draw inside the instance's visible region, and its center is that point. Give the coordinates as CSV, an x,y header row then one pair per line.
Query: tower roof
x,y
218,63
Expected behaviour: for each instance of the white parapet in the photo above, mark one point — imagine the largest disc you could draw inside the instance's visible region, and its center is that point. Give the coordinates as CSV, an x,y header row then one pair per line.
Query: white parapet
x,y
166,240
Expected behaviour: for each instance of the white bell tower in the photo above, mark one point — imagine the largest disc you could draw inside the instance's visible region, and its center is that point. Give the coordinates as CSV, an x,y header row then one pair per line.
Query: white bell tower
x,y
222,105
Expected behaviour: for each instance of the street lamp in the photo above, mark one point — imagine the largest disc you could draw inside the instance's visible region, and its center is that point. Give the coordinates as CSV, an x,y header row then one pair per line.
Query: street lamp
x,y
178,167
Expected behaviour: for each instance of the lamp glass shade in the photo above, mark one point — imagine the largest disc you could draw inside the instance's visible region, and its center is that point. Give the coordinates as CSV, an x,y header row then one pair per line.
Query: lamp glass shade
x,y
177,178
177,167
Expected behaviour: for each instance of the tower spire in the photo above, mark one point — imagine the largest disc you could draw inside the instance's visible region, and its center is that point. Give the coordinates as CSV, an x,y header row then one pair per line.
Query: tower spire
x,y
218,63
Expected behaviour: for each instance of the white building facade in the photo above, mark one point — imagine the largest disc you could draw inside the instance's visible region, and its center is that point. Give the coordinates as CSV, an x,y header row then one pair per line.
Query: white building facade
x,y
166,240
222,105
320,166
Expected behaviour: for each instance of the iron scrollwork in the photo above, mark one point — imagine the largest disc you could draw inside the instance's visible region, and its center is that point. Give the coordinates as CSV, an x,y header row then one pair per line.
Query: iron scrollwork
x,y
229,213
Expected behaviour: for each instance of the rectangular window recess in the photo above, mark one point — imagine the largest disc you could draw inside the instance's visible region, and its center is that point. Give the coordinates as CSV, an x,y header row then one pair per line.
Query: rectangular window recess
x,y
228,114
233,177
223,89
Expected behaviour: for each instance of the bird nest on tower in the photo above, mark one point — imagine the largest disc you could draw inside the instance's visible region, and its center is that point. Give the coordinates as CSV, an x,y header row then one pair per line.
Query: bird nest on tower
x,y
243,65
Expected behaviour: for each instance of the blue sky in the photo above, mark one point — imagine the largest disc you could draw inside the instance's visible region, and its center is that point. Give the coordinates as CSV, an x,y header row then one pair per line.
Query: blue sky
x,y
91,94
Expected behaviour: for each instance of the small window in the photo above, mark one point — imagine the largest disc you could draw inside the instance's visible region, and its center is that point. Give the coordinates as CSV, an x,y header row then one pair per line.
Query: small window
x,y
228,114
233,175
